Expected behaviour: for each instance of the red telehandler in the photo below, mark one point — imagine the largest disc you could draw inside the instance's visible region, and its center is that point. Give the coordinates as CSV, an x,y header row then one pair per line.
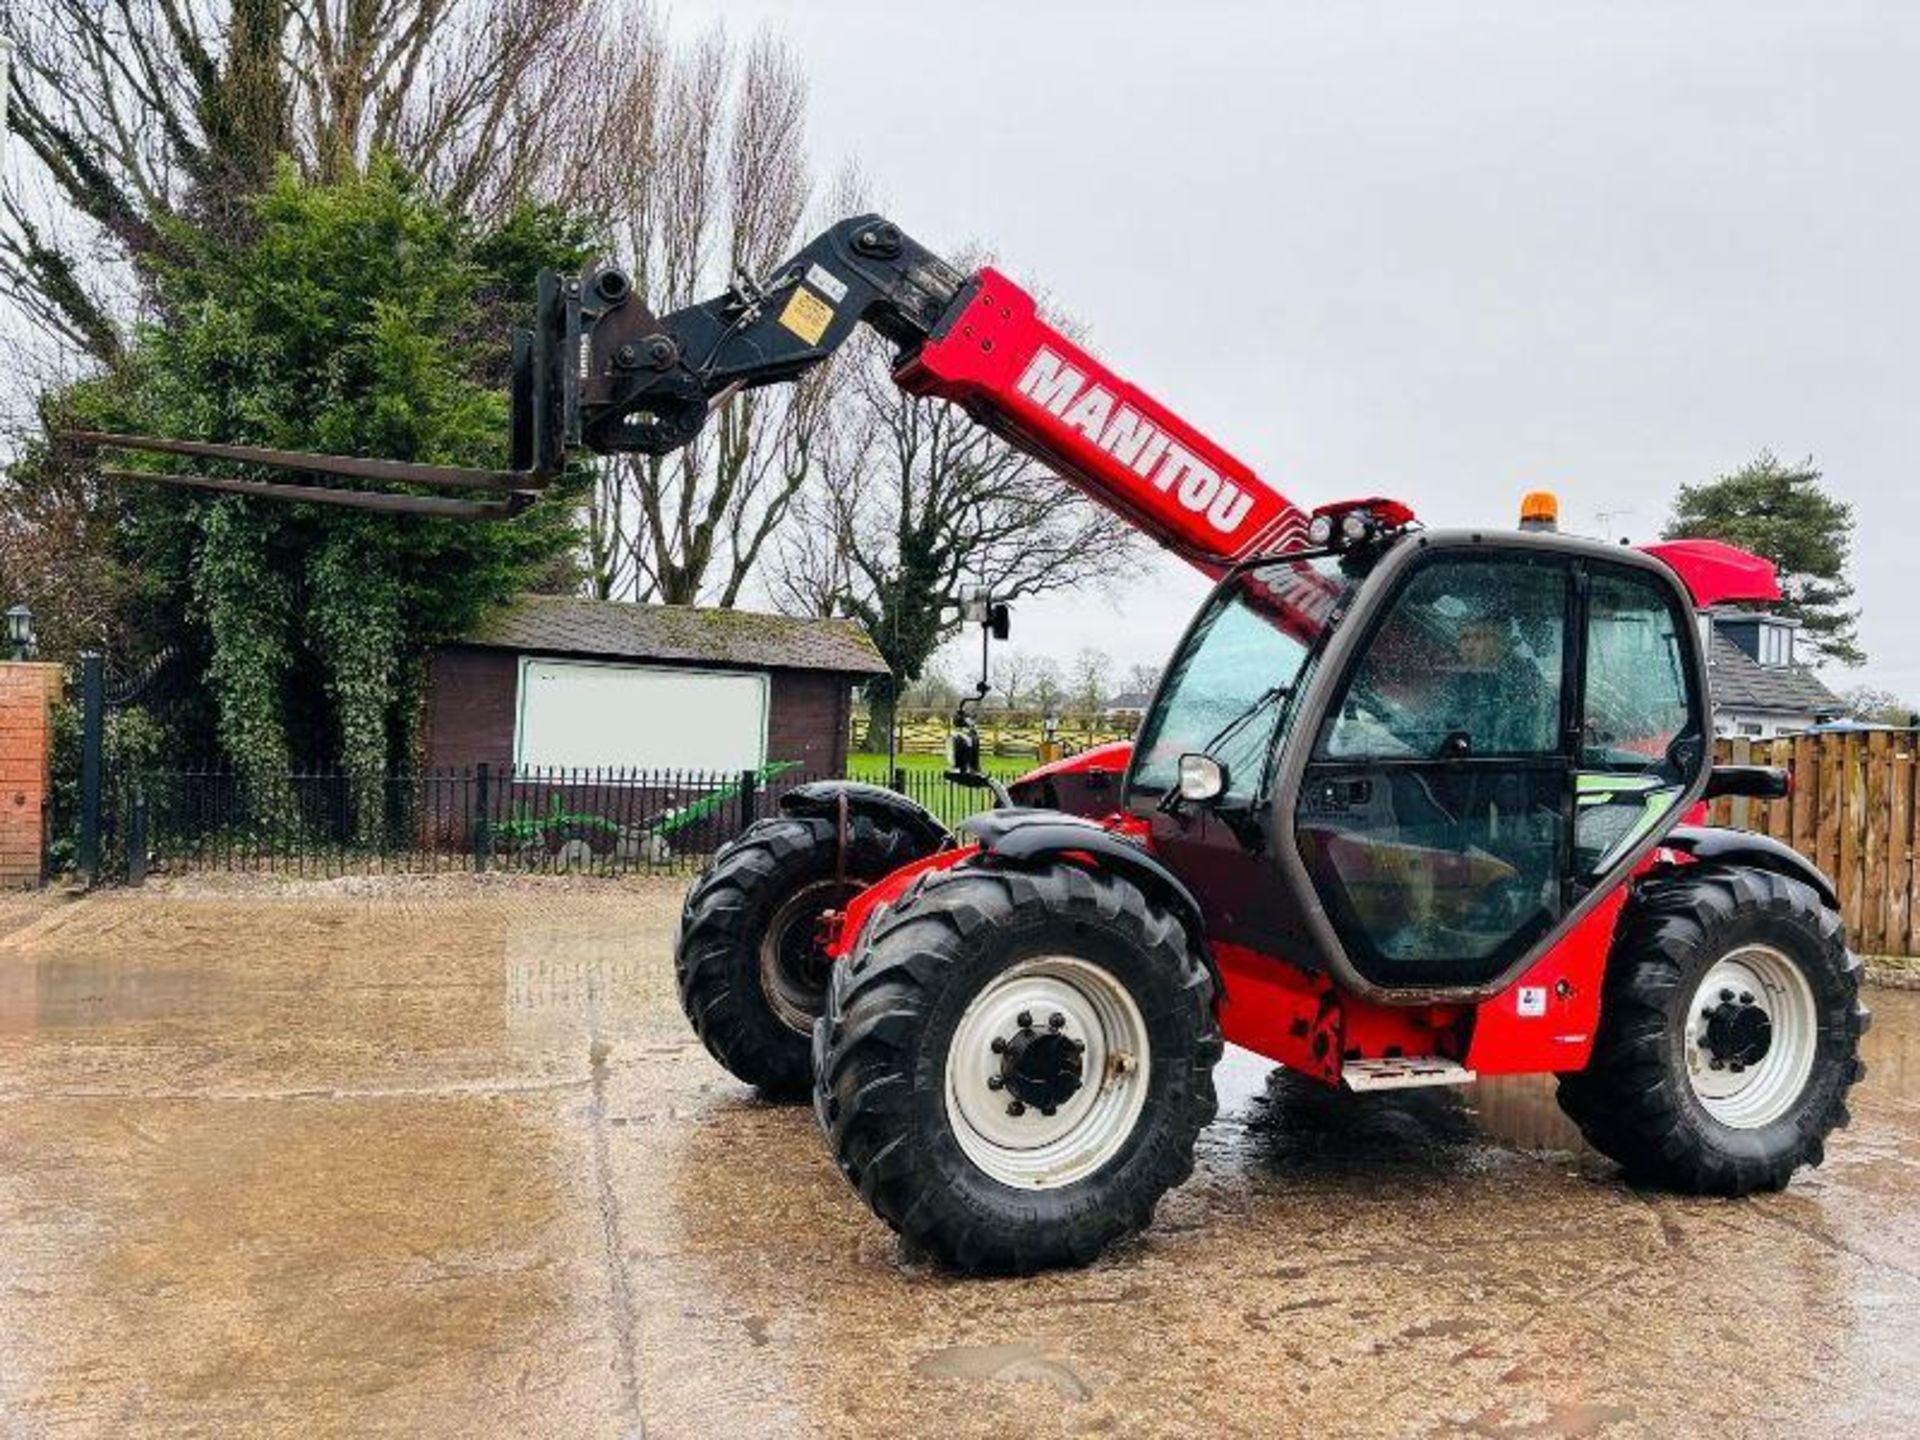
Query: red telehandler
x,y
1409,807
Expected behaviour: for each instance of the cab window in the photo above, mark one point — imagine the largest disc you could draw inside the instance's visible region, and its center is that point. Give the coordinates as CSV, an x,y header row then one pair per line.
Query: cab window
x,y
1229,691
1639,743
1468,662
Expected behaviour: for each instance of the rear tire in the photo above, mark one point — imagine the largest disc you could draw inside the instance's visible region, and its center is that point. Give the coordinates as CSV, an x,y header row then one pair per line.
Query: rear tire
x,y
916,1076
751,978
1729,1034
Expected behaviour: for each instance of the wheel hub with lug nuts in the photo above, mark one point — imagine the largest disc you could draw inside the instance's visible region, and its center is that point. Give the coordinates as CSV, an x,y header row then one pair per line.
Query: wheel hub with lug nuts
x,y
1751,1032
1039,1068
793,962
1739,1032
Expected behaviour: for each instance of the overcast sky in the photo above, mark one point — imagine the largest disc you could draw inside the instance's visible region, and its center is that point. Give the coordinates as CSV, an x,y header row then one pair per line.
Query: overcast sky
x,y
1448,252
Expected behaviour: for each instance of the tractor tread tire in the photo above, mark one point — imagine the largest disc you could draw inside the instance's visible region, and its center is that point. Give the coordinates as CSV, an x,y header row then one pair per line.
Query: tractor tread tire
x,y
880,1061
1633,1102
717,950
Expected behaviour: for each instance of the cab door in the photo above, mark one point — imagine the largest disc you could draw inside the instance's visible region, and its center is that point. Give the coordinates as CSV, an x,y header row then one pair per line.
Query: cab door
x,y
1643,722
1435,814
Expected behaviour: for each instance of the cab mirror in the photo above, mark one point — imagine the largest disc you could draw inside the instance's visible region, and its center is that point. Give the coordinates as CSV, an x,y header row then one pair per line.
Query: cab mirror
x,y
1202,778
1757,782
963,750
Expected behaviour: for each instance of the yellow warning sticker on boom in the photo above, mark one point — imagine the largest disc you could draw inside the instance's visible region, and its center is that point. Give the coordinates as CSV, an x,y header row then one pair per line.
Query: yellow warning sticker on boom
x,y
807,315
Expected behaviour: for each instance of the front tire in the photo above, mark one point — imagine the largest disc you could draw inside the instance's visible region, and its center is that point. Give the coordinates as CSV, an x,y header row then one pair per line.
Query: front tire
x,y
751,974
1729,1034
1015,1066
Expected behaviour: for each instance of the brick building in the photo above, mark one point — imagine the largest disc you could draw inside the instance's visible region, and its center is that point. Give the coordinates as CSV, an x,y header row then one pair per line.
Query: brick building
x,y
556,681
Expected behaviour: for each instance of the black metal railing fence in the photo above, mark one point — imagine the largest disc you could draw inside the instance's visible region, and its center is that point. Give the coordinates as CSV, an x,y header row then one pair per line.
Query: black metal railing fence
x,y
321,822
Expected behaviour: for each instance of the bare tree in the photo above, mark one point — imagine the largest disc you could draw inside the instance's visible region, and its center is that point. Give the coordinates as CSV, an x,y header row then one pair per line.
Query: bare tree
x,y
1047,688
1013,671
148,120
925,505
56,556
936,689
720,191
1091,667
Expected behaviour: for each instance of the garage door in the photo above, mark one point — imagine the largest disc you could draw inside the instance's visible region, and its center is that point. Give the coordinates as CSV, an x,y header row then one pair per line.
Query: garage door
x,y
579,714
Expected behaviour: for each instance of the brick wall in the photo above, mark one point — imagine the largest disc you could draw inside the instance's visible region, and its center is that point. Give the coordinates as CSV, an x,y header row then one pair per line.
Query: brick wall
x,y
27,696
808,719
471,698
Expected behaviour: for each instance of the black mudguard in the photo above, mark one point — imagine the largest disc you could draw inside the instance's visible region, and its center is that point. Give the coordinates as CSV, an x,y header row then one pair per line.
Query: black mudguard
x,y
821,799
1712,845
1034,837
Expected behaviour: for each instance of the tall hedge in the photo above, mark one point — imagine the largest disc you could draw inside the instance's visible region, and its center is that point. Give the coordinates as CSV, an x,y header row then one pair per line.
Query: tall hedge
x,y
356,318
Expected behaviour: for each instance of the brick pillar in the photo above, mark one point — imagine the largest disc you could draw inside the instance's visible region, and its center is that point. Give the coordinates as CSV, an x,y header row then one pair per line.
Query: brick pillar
x,y
28,692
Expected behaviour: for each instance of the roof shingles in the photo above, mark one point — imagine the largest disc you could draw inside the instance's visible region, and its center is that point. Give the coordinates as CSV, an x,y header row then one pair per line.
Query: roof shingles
x,y
613,629
1738,682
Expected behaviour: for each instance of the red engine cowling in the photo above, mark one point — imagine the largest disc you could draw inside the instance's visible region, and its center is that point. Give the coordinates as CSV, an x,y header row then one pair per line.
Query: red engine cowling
x,y
1084,784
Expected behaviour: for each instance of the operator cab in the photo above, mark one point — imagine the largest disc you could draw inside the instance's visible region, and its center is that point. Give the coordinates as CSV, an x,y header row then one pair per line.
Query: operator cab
x,y
1412,761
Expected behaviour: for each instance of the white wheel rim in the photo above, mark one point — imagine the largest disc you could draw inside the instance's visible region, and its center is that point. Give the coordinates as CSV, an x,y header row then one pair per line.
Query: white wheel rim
x,y
1031,1150
1758,1093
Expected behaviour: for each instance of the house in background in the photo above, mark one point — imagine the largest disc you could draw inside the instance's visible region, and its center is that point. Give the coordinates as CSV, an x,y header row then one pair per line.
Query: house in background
x,y
1758,688
561,682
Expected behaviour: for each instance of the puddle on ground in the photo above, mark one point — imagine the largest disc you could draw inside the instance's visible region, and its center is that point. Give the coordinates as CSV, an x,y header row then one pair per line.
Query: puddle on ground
x,y
1014,1362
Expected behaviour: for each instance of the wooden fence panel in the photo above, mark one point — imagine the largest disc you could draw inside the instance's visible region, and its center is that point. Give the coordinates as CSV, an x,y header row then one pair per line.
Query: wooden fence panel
x,y
1853,831
1854,810
1805,801
1872,929
1900,849
1832,772
1780,812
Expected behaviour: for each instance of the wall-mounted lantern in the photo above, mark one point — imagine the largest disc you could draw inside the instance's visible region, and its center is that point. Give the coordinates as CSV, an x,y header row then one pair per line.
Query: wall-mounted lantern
x,y
20,632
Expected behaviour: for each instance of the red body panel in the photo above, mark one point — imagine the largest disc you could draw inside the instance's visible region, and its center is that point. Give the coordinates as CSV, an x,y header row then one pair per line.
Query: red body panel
x,y
1305,1023
1716,573
1023,379
1546,1019
1113,756
1085,784
851,921
1278,1011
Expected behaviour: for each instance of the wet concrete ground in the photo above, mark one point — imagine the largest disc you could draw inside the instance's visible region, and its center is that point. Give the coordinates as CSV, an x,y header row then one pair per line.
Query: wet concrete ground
x,y
443,1159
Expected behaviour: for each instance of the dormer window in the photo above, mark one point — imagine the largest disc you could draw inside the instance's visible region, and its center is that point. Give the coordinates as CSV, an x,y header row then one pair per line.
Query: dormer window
x,y
1766,639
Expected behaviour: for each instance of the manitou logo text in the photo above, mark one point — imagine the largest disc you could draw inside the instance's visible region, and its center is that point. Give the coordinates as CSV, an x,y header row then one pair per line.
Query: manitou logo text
x,y
1134,441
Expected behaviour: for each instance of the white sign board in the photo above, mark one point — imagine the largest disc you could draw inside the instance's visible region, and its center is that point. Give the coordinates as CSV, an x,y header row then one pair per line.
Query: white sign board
x,y
586,714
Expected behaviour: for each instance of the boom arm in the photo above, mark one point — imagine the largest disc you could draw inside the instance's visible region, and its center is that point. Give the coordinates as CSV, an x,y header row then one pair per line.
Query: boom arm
x,y
600,370
977,341
1028,383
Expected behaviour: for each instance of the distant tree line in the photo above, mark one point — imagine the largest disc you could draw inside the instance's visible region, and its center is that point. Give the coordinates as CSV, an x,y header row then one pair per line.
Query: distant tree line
x,y
1088,682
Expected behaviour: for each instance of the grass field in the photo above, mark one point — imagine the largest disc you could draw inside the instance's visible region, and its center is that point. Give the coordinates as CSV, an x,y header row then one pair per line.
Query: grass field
x,y
864,765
